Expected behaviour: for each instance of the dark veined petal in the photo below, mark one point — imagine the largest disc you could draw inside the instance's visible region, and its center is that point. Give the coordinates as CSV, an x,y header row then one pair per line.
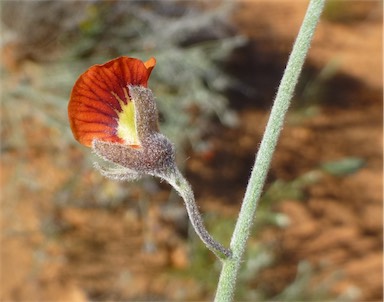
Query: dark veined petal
x,y
100,97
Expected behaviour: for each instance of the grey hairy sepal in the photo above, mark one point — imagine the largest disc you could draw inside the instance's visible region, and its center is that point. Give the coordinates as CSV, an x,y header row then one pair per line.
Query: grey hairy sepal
x,y
117,173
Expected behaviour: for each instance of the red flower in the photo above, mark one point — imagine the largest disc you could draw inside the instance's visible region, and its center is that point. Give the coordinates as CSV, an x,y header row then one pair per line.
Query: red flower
x,y
101,107
112,110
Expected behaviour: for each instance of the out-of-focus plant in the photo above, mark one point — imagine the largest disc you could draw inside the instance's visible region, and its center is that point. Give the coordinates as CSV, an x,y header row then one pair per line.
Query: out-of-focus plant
x,y
188,41
344,166
356,11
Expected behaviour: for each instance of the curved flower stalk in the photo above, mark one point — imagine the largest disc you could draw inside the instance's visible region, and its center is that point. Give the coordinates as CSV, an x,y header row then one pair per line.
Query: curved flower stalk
x,y
112,111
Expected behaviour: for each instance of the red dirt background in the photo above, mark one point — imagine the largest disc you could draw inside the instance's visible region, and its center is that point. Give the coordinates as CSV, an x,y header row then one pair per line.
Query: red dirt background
x,y
134,252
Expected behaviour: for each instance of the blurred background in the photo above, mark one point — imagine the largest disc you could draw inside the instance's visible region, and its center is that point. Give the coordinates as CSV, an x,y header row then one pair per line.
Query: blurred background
x,y
67,234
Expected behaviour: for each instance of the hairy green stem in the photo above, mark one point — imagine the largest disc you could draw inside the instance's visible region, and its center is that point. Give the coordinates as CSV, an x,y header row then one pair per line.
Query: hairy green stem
x,y
181,185
231,266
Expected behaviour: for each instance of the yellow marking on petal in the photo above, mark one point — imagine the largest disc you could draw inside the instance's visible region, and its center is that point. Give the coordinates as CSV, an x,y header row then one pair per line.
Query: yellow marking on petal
x,y
126,124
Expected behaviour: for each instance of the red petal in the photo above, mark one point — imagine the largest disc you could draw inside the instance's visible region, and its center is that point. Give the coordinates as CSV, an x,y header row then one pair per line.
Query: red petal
x,y
94,100
150,64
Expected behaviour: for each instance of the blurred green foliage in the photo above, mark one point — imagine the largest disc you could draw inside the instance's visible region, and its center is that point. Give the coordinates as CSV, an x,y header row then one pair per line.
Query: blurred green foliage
x,y
344,166
351,11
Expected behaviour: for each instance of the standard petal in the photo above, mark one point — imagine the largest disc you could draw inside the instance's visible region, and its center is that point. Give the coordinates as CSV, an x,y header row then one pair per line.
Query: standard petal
x,y
150,64
99,96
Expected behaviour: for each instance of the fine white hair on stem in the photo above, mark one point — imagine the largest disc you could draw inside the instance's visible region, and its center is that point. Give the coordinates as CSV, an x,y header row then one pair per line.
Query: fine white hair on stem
x,y
227,282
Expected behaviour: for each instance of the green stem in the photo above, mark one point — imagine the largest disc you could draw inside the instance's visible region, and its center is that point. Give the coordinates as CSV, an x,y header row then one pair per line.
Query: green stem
x,y
231,266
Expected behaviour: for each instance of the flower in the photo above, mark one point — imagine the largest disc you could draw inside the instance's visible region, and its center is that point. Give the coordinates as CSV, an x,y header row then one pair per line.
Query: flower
x,y
112,110
100,105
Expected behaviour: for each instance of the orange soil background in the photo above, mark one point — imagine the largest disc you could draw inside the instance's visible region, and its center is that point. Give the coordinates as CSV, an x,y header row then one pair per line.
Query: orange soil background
x,y
337,227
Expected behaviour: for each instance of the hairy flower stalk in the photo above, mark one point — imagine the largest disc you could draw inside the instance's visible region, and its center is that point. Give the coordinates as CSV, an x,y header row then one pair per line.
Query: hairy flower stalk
x,y
112,111
181,185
